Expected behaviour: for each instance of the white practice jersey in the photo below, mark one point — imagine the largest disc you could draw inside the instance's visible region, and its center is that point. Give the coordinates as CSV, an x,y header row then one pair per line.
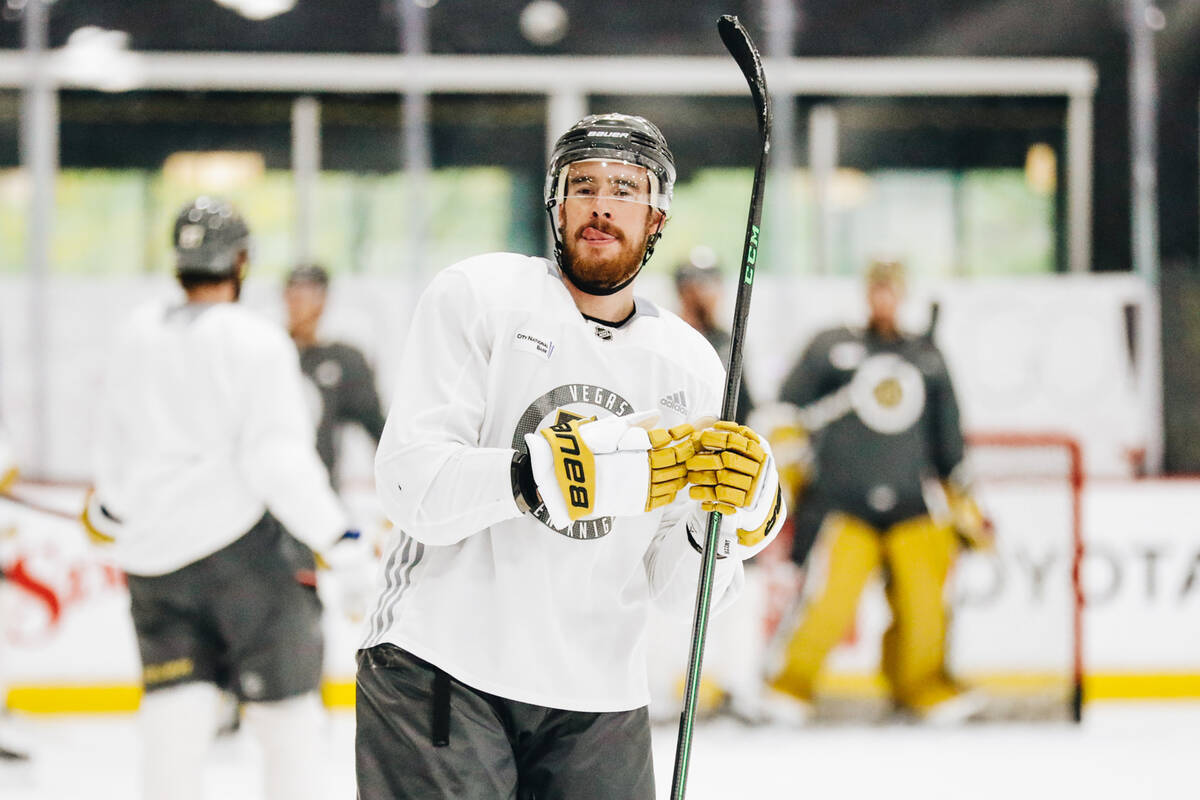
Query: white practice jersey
x,y
502,601
202,428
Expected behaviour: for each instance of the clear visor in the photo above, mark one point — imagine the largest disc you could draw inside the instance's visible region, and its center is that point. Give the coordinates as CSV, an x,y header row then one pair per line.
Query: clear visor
x,y
604,180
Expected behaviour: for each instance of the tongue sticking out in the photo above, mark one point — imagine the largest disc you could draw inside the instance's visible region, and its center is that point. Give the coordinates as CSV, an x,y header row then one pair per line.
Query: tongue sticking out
x,y
597,236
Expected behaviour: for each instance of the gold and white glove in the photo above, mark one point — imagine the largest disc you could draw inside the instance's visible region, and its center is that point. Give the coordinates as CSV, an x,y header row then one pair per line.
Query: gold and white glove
x,y
8,465
102,526
350,563
617,466
733,472
782,425
973,528
8,477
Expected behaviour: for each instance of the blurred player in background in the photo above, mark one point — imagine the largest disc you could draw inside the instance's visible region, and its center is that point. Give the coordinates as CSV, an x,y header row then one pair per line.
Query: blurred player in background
x,y
532,458
340,373
698,287
9,750
204,467
887,493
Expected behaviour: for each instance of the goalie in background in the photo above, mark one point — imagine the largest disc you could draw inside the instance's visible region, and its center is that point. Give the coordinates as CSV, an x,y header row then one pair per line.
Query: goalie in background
x,y
886,494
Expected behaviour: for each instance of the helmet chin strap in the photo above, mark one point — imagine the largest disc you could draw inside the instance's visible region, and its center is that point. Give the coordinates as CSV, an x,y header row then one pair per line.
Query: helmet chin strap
x,y
591,287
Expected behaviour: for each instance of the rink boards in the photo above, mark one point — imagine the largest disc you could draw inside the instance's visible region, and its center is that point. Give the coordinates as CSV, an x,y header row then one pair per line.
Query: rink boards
x,y
68,644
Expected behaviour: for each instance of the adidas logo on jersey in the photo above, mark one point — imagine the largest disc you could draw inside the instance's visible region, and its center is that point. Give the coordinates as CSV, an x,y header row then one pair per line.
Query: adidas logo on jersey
x,y
676,401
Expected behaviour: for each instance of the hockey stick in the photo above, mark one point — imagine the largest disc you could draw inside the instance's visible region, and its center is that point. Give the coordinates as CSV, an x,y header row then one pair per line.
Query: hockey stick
x,y
737,42
38,507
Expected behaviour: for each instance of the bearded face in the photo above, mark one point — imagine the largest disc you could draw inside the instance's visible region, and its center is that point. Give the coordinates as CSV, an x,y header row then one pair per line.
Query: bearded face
x,y
606,219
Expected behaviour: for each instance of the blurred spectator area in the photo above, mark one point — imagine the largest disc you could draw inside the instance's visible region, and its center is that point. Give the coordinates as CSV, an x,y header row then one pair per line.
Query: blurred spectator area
x,y
963,186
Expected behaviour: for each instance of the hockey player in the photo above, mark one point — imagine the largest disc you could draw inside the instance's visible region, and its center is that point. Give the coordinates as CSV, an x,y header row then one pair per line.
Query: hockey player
x,y
341,376
9,751
881,412
204,468
698,287
531,462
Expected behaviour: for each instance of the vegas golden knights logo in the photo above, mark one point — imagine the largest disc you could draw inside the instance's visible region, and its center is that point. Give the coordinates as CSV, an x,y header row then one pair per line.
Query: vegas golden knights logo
x,y
557,409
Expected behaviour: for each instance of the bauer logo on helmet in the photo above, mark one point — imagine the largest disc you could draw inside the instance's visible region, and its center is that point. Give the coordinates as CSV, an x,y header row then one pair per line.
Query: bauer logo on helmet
x,y
191,236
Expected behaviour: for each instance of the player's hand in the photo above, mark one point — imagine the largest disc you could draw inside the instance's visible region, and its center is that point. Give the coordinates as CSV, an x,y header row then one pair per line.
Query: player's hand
x,y
8,477
790,444
733,472
350,548
617,466
973,528
8,466
102,526
350,565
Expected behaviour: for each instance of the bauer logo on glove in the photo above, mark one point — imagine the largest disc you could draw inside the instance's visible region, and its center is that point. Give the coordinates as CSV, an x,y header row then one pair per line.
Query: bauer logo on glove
x,y
574,466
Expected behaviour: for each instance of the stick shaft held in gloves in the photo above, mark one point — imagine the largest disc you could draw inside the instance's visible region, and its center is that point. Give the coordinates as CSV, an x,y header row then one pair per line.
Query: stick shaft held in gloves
x,y
737,42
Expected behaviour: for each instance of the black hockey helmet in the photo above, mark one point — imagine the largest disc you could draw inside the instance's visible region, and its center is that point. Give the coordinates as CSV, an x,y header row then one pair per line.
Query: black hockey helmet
x,y
621,137
309,273
700,267
208,236
616,137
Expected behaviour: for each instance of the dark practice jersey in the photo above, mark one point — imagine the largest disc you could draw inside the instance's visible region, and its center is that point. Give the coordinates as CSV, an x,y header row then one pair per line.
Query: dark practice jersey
x,y
346,387
721,342
883,420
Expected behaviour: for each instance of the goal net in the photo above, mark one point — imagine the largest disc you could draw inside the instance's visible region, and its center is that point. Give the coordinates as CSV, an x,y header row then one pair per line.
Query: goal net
x,y
1015,610
1017,627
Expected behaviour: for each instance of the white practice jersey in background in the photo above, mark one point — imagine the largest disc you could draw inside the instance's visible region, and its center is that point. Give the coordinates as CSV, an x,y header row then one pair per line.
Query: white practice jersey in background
x,y
499,600
202,428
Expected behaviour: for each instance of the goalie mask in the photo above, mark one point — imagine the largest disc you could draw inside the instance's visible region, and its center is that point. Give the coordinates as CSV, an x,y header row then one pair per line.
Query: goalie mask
x,y
615,159
208,236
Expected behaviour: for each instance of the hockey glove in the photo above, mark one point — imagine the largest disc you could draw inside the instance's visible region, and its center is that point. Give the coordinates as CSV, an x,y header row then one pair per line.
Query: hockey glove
x,y
7,478
790,444
733,472
973,528
8,466
617,466
350,564
102,526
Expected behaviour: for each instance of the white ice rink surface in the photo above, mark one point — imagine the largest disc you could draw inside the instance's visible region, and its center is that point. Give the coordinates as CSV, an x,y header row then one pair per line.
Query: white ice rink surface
x,y
1125,751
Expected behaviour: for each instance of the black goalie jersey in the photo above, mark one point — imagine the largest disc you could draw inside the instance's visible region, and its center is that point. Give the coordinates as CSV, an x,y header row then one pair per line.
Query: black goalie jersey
x,y
883,420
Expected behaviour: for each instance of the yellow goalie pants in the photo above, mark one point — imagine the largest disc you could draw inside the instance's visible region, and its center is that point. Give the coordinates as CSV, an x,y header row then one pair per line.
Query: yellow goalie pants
x,y
916,555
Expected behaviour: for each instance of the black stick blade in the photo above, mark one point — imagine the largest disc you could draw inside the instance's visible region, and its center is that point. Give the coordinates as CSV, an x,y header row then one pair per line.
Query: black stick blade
x,y
741,47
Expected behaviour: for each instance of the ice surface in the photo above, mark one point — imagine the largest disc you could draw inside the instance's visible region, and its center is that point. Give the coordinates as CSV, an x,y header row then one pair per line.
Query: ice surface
x,y
1143,750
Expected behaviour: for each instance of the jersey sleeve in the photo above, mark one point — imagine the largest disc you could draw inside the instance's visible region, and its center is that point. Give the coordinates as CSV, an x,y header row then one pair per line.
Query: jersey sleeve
x,y
433,478
277,456
673,564
110,467
947,432
360,403
805,383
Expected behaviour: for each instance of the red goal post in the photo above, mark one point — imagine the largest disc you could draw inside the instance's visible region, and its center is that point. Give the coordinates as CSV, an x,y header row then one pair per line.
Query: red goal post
x,y
997,457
